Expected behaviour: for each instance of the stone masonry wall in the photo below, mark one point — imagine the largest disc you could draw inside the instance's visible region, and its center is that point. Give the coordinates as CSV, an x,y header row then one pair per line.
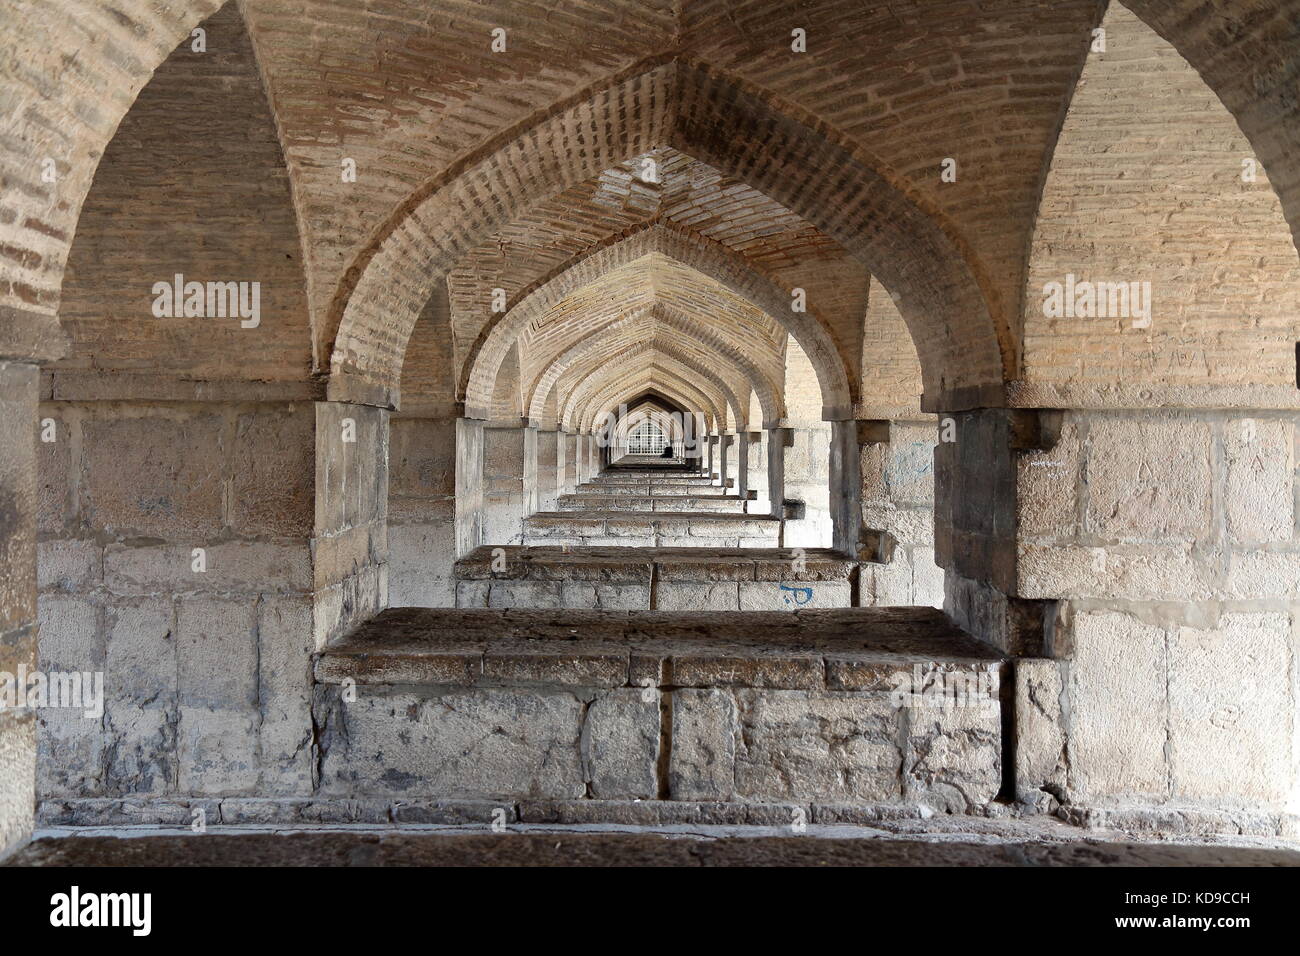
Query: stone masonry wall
x,y
205,654
422,512
1169,541
18,608
898,509
205,671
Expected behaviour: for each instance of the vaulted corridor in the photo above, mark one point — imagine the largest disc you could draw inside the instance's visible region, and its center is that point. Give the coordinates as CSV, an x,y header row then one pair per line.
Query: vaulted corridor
x,y
650,412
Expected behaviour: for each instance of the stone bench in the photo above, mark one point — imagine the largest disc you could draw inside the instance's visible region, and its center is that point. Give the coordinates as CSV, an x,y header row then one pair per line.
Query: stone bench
x,y
669,530
666,579
634,502
600,708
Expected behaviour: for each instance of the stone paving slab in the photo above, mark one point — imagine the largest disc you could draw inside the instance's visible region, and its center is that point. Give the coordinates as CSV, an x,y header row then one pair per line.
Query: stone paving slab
x,y
556,847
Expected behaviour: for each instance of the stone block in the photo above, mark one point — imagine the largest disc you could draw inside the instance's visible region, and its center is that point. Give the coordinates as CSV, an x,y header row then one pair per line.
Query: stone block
x,y
698,596
927,579
954,756
273,476
1040,737
777,596
69,754
71,634
72,565
796,745
1149,480
1258,498
421,559
216,650
1149,572
1118,708
54,502
1047,489
141,747
528,594
702,763
174,487
141,661
617,597
1231,710
284,632
17,777
473,743
620,744
218,752
246,566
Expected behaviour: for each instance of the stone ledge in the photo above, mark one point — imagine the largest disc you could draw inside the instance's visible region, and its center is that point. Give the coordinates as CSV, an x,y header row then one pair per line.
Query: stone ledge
x,y
837,650
309,811
635,565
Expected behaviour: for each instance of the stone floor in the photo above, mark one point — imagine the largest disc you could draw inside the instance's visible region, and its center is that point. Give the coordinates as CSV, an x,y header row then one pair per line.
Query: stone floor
x,y
952,842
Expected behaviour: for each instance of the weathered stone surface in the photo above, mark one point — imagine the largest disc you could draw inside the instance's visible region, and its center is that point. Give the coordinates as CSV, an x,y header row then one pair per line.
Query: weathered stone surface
x,y
476,743
1118,708
1231,701
620,745
1148,480
1040,735
702,762
954,759
795,745
174,487
1257,493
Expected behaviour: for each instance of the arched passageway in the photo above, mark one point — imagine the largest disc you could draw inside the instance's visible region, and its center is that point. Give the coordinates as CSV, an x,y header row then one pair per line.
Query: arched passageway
x,y
925,322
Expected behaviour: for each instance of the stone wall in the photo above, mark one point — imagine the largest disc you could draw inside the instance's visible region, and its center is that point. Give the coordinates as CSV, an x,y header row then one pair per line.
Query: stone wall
x,y
204,653
897,474
199,581
423,470
19,390
1169,542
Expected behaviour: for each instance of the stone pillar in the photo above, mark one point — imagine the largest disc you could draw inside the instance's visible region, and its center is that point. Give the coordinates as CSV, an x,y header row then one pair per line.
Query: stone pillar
x,y
548,457
896,468
844,487
725,465
350,537
469,485
197,554
593,456
807,480
775,445
561,456
740,452
1143,565
18,507
425,463
755,453
509,481
572,462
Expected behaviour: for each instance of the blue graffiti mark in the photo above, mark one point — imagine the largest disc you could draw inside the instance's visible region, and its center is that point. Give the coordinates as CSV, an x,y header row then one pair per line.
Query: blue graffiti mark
x,y
802,595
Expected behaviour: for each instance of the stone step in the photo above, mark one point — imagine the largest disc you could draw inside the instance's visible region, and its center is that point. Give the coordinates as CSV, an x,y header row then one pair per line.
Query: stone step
x,y
664,530
628,502
654,490
665,579
640,475
875,711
